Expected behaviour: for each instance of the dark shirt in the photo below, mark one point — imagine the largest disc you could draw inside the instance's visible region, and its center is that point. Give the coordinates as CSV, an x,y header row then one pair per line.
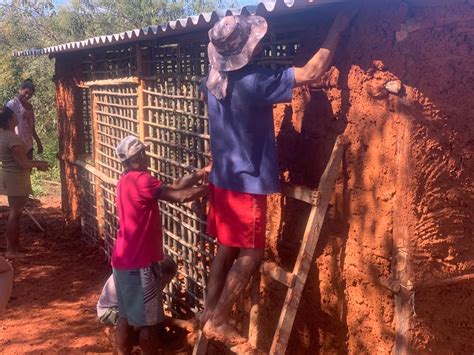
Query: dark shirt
x,y
242,133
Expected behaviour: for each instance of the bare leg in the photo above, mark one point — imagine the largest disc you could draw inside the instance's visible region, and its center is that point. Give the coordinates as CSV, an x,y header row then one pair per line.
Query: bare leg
x,y
237,278
147,340
122,337
219,269
17,204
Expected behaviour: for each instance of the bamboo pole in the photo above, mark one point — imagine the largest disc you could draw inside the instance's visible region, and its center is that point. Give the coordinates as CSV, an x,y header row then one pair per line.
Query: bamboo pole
x,y
112,82
96,158
141,93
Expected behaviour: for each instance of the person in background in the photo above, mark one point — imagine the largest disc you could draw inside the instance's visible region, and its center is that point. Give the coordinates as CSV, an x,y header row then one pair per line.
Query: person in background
x,y
139,243
23,109
15,178
107,306
6,283
240,98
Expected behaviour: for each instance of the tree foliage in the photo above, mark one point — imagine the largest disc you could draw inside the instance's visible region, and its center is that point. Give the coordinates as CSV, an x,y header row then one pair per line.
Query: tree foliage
x,y
41,23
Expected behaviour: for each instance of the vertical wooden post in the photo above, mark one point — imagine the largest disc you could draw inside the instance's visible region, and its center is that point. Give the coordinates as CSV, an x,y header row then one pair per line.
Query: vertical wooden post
x,y
97,156
68,104
401,267
141,93
255,303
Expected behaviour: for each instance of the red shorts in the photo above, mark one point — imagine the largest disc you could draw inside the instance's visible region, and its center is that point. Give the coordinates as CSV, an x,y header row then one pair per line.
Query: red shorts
x,y
237,219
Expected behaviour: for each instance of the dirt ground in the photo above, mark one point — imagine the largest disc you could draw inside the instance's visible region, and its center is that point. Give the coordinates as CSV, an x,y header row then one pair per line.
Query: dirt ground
x,y
56,288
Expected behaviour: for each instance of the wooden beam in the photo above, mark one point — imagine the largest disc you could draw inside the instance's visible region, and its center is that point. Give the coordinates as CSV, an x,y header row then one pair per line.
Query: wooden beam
x,y
301,193
401,234
95,172
111,82
254,308
201,344
70,137
96,159
274,271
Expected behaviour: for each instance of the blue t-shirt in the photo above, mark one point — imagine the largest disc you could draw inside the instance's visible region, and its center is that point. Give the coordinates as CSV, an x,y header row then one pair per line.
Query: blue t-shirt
x,y
244,157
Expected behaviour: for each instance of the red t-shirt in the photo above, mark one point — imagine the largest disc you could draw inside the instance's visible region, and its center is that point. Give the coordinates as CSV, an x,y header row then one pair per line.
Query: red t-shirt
x,y
139,239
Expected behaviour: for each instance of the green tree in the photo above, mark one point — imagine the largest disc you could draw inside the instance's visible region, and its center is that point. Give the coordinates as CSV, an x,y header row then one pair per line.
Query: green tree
x,y
28,24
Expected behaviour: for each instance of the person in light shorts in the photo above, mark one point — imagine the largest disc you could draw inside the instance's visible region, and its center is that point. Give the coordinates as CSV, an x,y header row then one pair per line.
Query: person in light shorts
x,y
139,243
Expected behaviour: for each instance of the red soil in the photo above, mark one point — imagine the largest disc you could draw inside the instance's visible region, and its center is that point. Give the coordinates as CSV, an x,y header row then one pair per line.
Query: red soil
x,y
56,288
55,291
403,205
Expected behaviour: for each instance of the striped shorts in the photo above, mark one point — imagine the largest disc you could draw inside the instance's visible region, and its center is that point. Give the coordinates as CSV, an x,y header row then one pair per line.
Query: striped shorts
x,y
139,299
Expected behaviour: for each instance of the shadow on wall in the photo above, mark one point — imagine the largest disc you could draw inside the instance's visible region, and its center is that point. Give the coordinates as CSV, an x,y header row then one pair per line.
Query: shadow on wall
x,y
343,307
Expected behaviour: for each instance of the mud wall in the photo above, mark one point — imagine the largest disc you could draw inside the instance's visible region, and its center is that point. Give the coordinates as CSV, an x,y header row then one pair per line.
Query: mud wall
x,y
403,205
70,133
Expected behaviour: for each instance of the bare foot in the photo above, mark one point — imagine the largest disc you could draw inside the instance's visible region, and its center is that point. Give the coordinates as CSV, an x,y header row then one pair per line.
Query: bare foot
x,y
223,333
13,254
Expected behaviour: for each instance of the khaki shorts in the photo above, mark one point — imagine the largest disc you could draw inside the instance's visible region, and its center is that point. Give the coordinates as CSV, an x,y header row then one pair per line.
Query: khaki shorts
x,y
15,184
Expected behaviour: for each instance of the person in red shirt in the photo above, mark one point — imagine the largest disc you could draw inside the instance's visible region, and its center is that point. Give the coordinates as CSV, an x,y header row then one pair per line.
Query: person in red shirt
x,y
139,242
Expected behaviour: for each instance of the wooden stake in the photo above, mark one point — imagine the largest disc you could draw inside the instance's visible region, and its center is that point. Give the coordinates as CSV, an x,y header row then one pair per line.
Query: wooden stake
x,y
201,344
255,304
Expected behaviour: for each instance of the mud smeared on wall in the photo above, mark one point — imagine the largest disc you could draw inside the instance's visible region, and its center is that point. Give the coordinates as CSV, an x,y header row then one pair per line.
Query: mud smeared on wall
x,y
403,204
70,134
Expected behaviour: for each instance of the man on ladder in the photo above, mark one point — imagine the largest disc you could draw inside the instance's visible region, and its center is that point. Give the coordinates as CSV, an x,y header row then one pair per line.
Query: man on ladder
x,y
240,97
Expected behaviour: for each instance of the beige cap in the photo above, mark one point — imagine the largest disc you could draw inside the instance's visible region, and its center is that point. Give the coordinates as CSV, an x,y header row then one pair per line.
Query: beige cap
x,y
129,146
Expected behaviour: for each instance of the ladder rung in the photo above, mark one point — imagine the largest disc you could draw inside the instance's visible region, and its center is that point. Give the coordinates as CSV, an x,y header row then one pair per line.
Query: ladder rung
x,y
301,193
278,274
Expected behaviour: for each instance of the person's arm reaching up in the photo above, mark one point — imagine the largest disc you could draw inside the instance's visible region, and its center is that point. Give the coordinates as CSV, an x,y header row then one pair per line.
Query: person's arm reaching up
x,y
319,63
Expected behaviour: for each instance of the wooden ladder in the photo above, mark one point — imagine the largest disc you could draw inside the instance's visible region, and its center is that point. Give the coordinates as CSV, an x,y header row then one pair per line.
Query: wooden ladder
x,y
295,280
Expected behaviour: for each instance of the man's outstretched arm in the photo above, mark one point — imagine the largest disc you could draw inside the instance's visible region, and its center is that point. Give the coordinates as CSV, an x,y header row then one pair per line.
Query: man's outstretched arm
x,y
319,63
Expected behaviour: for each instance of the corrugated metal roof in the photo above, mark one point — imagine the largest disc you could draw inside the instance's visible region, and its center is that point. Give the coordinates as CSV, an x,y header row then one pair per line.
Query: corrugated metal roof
x,y
189,24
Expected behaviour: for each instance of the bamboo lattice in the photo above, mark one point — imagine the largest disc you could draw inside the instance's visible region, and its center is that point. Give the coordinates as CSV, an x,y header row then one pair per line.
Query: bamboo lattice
x,y
87,120
175,122
116,63
115,110
163,108
89,221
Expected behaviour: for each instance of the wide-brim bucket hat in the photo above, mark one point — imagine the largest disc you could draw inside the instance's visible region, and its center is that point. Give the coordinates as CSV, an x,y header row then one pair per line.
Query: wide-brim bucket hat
x,y
233,40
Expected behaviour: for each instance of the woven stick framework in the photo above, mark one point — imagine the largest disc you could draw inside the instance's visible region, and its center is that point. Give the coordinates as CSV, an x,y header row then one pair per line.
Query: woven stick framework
x,y
152,91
